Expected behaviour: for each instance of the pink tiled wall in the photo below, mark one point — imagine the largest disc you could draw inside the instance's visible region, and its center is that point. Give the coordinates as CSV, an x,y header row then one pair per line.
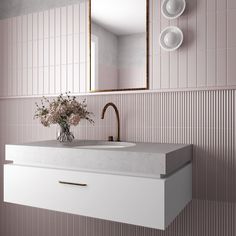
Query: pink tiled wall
x,y
46,52
206,58
204,118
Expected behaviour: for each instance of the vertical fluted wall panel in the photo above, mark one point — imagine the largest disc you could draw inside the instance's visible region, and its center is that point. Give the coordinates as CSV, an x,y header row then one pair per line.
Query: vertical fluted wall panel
x,y
205,119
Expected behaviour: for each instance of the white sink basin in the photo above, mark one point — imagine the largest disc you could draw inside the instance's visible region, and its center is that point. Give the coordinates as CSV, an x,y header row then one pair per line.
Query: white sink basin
x,y
105,145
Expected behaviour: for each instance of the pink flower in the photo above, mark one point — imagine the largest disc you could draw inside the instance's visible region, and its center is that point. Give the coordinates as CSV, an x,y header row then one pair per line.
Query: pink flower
x,y
66,110
74,119
53,118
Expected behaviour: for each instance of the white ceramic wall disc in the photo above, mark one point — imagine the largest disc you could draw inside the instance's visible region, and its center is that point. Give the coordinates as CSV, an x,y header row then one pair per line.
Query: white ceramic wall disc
x,y
172,9
171,38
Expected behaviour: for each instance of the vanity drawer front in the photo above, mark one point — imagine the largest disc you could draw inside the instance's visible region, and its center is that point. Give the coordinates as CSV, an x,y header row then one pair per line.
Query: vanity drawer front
x,y
133,200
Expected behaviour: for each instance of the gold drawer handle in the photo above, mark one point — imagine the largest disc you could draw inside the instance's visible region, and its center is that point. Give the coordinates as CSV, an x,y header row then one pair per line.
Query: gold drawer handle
x,y
75,184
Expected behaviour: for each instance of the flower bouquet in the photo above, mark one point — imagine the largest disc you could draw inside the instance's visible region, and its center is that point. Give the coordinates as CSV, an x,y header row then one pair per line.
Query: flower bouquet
x,y
64,111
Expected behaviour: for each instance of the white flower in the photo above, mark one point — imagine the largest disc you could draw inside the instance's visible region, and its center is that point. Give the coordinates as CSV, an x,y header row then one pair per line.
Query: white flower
x,y
61,109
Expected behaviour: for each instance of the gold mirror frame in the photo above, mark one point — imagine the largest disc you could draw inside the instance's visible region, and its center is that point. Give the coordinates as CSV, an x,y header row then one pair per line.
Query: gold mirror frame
x,y
147,54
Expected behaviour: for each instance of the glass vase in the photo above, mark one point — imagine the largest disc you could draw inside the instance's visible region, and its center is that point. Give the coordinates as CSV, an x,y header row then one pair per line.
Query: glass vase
x,y
64,135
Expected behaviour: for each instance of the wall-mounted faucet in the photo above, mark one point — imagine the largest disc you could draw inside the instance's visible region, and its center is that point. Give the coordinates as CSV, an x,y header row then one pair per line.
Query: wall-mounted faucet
x,y
117,116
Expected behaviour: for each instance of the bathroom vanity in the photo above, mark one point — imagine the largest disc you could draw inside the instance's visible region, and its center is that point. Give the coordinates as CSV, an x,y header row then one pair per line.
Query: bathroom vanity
x,y
146,184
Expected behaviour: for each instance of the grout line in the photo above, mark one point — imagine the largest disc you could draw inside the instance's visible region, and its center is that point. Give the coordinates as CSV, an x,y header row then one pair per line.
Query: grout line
x,y
162,91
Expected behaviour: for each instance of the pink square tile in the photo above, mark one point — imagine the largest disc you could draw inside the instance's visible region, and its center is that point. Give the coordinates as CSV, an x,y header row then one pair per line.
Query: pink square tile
x,y
231,33
41,81
76,19
70,49
19,82
211,30
83,15
35,81
46,24
40,25
25,28
25,54
231,4
211,5
63,50
182,68
30,54
46,80
63,20
83,78
35,26
231,68
19,29
14,29
64,78
46,52
58,21
52,51
76,50
25,82
70,25
54,79
211,68
221,5
221,29
221,67
201,31
19,55
40,44
174,64
35,53
58,51
30,27
57,80
165,71
70,79
52,23
76,78
83,44
30,81
14,82
201,68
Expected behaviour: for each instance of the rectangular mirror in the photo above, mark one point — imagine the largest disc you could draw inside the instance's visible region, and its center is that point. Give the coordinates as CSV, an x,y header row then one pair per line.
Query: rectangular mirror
x,y
118,45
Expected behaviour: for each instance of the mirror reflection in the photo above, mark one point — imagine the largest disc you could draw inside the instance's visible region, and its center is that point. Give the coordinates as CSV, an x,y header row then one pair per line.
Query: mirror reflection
x,y
118,45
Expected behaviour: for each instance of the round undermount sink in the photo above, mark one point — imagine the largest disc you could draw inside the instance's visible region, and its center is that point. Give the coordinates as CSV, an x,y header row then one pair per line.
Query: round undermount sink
x,y
105,144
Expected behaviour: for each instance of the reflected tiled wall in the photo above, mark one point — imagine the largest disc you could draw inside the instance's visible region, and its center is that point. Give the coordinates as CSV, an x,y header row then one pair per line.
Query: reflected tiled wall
x,y
44,52
204,118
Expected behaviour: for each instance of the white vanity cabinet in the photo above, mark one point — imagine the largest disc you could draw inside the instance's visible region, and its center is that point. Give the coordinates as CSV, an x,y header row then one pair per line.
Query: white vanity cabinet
x,y
139,200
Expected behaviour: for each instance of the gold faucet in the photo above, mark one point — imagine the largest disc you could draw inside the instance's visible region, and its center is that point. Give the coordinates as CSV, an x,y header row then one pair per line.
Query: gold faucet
x,y
117,116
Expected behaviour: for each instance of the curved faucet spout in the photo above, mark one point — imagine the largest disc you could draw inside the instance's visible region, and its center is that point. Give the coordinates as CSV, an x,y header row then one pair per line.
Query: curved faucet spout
x,y
117,117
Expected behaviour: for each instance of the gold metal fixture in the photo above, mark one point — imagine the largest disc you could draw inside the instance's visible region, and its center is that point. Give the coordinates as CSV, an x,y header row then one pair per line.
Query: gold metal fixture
x,y
117,116
70,183
147,53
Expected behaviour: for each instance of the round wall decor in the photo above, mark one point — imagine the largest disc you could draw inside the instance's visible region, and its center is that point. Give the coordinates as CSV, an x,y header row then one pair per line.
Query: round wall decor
x,y
171,38
172,9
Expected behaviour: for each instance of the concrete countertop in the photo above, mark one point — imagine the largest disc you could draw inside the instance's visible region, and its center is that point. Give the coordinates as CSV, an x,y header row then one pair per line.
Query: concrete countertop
x,y
152,160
